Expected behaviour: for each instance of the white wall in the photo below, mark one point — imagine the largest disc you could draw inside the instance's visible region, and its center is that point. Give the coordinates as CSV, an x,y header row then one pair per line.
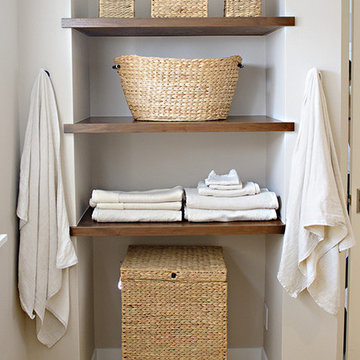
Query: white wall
x,y
307,331
12,327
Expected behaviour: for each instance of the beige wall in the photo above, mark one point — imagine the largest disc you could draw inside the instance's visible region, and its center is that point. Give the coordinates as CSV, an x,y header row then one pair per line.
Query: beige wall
x,y
12,345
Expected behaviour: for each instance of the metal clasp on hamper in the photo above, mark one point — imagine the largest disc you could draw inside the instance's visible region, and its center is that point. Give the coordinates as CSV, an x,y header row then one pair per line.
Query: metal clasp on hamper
x,y
116,67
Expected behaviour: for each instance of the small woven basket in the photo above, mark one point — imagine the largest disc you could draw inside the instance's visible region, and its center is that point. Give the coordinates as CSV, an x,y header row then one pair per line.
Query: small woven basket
x,y
237,8
179,8
117,8
161,89
174,303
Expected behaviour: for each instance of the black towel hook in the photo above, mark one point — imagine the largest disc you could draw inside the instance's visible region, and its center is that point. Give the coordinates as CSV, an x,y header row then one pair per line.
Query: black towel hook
x,y
48,74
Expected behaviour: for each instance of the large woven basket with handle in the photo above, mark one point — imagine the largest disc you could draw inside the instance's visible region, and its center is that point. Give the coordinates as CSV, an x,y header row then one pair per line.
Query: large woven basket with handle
x,y
163,89
238,8
174,303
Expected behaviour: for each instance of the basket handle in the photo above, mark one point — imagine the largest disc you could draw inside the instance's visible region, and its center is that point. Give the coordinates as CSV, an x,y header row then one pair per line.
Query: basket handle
x,y
115,67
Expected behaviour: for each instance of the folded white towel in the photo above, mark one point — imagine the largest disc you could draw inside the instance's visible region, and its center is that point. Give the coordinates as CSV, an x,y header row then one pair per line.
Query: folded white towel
x,y
202,215
264,200
231,178
249,188
148,196
173,205
225,187
102,215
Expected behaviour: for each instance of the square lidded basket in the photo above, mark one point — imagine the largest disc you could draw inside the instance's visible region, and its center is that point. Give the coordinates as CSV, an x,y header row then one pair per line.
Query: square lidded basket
x,y
174,303
117,8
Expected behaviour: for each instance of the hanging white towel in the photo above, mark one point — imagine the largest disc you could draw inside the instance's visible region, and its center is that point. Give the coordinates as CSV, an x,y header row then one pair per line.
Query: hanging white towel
x,y
317,223
101,215
264,200
147,196
203,215
46,251
231,178
248,188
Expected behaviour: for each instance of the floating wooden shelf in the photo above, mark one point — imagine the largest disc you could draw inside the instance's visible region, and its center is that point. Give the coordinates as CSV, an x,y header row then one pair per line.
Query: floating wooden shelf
x,y
105,125
88,227
241,26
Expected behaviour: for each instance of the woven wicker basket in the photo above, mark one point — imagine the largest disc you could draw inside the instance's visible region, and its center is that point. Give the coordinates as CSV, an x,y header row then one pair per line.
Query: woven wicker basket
x,y
179,8
117,8
236,8
160,89
174,303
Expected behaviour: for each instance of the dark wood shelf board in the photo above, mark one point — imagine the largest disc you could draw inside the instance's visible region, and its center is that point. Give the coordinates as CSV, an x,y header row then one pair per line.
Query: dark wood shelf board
x,y
106,125
219,26
88,227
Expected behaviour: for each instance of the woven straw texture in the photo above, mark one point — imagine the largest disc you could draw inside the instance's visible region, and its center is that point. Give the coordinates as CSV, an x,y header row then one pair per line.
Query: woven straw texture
x,y
234,8
117,8
179,8
179,318
161,89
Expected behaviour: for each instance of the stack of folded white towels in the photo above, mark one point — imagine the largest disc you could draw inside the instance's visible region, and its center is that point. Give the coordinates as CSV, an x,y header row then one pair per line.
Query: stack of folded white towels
x,y
137,206
226,198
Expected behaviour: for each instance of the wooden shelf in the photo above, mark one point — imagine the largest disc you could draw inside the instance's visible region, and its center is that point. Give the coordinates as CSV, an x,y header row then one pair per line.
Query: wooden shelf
x,y
88,227
241,26
107,125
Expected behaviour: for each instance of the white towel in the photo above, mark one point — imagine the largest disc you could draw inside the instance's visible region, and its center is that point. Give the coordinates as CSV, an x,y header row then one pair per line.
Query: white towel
x,y
226,187
148,196
317,223
264,200
202,215
101,215
231,178
46,250
249,188
174,205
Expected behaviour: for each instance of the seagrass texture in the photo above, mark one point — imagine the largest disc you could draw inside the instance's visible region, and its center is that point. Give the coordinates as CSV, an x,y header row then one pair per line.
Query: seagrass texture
x,y
182,317
234,8
117,8
179,8
163,89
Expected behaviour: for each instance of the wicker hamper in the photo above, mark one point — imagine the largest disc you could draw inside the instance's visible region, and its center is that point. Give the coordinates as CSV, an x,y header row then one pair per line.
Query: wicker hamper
x,y
237,8
179,8
174,303
162,89
117,8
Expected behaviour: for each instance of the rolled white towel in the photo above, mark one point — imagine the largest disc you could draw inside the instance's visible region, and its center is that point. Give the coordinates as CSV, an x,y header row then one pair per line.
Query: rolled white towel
x,y
264,200
202,215
249,188
103,215
147,196
173,205
231,178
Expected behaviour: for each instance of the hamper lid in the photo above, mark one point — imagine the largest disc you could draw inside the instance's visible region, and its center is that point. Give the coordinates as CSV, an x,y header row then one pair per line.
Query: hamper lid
x,y
174,263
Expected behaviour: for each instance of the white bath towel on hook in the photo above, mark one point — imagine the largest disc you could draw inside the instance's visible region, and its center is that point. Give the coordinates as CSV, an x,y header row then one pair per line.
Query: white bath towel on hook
x,y
317,223
46,251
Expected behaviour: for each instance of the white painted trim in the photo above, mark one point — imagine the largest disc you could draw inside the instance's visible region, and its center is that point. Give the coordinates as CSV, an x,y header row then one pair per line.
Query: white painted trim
x,y
3,239
94,357
233,354
263,355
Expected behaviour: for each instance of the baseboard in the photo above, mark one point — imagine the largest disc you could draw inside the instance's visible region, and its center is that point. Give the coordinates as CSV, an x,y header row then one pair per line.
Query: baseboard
x,y
233,354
